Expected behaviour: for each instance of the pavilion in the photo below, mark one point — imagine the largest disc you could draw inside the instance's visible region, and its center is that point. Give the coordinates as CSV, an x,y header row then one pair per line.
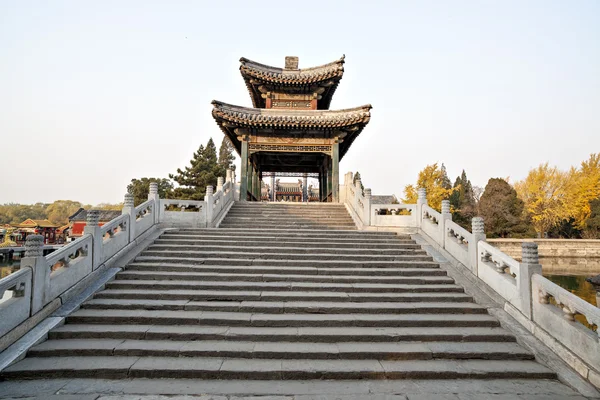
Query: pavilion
x,y
291,130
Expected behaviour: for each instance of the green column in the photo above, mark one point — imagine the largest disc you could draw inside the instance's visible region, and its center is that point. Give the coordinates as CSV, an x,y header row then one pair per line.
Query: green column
x,y
329,180
244,172
335,172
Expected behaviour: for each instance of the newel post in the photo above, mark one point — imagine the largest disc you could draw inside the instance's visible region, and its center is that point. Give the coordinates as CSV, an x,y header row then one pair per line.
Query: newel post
x,y
446,215
35,259
478,234
229,176
209,200
93,228
220,184
530,264
153,195
129,209
421,201
367,205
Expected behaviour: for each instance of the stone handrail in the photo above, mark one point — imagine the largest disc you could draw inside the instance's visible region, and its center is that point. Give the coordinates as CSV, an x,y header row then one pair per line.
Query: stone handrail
x,y
358,202
544,308
15,299
400,215
44,282
554,310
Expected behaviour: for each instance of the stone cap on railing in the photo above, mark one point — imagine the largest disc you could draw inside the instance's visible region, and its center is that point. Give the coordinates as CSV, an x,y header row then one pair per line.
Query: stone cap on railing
x,y
93,217
529,253
128,200
33,246
477,225
153,188
445,206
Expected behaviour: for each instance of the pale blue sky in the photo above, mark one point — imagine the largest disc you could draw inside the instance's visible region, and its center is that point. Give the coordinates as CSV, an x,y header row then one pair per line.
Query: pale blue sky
x,y
94,93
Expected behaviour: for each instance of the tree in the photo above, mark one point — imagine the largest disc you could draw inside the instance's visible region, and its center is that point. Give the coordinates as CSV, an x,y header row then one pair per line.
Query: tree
x,y
60,211
502,211
203,171
463,201
226,156
13,213
140,188
546,194
585,188
592,225
436,183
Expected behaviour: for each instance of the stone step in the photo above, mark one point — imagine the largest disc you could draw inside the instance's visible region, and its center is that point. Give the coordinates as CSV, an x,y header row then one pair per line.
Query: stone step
x,y
286,237
160,274
249,217
158,317
283,254
202,241
236,295
425,287
281,307
117,367
238,248
282,350
332,263
331,227
165,265
280,334
246,231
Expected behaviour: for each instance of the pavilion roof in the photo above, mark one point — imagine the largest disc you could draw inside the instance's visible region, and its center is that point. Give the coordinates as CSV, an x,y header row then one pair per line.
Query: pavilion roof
x,y
351,121
37,223
261,78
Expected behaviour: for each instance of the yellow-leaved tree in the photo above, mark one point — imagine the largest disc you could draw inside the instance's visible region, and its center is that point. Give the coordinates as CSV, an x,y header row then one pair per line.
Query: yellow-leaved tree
x,y
435,181
585,188
546,192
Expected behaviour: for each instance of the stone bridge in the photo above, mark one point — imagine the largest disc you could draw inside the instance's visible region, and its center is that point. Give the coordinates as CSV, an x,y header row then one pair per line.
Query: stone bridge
x,y
221,299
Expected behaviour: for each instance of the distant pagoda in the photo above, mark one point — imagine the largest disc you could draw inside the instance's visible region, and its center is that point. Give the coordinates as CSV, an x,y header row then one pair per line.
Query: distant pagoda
x,y
291,129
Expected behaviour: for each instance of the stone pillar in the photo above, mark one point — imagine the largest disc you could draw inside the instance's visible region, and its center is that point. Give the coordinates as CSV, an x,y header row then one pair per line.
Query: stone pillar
x,y
229,175
35,260
92,228
153,195
244,170
220,184
335,172
209,199
530,264
478,234
129,209
305,187
446,215
367,207
329,179
273,188
421,201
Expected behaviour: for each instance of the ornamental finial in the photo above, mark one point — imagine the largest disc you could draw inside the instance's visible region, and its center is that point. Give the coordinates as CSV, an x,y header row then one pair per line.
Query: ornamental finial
x,y
477,225
93,216
529,253
33,246
445,206
153,188
421,194
128,200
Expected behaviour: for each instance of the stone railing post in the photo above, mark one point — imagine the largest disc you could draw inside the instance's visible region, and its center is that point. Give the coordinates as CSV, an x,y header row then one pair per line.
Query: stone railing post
x,y
421,201
478,234
34,258
367,207
209,199
129,209
153,195
229,176
220,184
92,227
530,264
446,215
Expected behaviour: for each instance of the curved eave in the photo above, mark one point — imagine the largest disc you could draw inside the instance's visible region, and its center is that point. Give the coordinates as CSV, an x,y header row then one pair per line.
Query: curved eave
x,y
351,121
299,81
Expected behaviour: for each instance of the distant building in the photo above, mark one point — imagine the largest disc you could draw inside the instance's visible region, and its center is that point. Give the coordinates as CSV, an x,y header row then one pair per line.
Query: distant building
x,y
77,221
38,227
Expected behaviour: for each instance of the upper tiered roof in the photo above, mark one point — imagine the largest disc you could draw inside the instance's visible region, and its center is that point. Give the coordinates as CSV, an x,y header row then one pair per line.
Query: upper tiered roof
x,y
261,79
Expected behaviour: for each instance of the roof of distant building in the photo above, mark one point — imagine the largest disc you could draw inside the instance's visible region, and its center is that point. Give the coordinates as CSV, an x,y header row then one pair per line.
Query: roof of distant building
x,y
37,223
105,215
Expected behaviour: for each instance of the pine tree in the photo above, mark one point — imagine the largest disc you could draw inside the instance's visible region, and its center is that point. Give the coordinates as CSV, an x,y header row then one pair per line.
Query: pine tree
x,y
226,156
203,171
462,201
502,211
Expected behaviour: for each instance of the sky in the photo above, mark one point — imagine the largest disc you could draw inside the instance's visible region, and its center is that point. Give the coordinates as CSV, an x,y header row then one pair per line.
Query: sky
x,y
95,93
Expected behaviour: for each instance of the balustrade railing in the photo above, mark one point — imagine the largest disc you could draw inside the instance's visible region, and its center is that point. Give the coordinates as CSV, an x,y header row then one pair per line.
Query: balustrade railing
x,y
42,280
543,307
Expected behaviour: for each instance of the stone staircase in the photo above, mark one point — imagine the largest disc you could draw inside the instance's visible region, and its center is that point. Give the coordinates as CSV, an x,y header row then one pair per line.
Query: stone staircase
x,y
281,292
